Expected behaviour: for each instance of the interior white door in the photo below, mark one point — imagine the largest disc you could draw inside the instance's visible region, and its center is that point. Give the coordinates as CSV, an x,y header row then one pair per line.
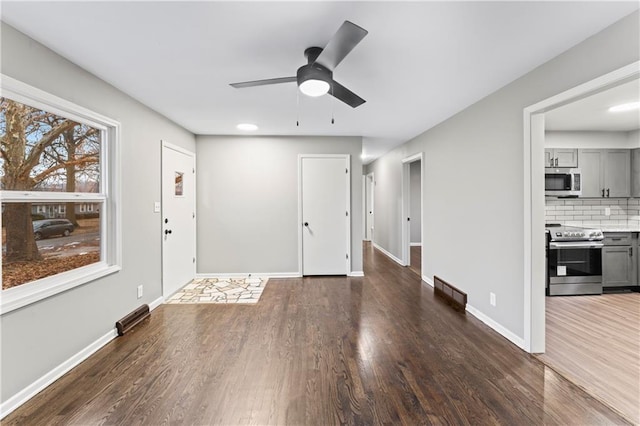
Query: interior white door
x,y
369,186
178,218
325,201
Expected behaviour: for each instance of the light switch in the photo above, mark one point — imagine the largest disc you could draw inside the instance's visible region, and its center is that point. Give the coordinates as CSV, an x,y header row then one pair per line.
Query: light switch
x,y
156,207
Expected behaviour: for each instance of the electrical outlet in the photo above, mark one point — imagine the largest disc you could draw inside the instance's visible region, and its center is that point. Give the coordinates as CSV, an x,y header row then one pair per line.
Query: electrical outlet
x,y
492,299
607,211
139,291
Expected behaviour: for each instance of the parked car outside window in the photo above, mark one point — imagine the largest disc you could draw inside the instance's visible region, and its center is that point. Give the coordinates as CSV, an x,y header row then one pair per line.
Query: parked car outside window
x,y
50,227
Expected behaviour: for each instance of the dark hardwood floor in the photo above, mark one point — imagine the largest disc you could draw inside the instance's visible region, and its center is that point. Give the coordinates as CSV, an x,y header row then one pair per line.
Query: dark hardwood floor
x,y
315,351
415,260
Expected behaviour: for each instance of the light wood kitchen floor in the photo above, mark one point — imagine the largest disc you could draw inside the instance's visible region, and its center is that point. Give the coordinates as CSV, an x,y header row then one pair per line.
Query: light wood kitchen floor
x,y
594,341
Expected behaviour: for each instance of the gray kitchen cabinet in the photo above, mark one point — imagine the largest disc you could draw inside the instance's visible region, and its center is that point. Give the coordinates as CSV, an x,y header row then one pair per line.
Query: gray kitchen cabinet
x,y
561,157
635,173
618,260
590,161
605,172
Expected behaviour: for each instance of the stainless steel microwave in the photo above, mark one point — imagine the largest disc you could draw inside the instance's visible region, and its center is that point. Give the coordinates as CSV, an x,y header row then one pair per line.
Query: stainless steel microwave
x,y
562,182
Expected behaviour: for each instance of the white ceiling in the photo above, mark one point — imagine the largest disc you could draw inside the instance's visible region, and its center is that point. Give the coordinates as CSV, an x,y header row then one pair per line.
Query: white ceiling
x,y
592,113
421,63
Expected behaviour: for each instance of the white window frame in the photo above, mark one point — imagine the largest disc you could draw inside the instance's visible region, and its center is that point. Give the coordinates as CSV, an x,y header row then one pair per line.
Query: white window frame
x,y
109,197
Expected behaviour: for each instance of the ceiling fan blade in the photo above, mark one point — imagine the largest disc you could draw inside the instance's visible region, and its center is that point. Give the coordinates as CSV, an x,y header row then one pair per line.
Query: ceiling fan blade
x,y
264,82
345,95
343,42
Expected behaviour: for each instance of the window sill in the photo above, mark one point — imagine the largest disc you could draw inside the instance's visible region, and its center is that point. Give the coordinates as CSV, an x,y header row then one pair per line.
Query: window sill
x,y
26,294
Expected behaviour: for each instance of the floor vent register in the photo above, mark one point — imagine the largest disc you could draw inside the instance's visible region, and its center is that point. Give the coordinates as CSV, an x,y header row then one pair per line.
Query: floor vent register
x,y
132,319
455,298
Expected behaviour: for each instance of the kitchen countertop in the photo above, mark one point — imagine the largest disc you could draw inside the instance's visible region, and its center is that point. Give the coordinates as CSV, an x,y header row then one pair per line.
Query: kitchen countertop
x,y
619,228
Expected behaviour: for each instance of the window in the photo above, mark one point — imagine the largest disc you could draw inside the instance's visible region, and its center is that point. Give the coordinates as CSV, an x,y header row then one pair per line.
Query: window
x,y
58,171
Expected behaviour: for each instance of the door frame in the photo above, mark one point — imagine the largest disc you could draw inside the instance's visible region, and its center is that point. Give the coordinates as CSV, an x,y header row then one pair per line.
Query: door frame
x,y
406,206
370,196
533,171
167,145
347,158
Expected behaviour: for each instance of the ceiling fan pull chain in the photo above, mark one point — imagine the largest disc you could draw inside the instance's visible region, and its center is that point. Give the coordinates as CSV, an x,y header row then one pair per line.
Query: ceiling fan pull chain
x,y
297,107
333,103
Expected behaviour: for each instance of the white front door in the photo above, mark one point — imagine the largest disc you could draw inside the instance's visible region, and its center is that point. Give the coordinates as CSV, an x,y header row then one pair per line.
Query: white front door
x,y
325,214
178,218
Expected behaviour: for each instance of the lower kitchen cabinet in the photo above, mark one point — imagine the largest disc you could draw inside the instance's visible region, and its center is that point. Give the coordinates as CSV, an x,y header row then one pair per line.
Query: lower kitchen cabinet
x,y
618,264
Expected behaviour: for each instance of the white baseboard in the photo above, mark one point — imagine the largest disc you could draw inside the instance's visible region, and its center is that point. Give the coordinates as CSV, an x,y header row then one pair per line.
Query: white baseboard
x,y
427,280
389,255
356,274
30,391
415,244
516,340
159,301
253,274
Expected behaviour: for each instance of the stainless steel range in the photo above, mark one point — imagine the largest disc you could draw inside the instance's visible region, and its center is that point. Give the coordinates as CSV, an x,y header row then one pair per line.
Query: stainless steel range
x,y
574,260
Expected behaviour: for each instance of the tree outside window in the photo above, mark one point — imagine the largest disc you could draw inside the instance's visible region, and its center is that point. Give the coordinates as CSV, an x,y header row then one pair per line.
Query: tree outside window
x,y
53,161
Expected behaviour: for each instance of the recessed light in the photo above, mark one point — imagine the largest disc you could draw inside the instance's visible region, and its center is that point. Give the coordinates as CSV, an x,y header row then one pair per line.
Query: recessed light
x,y
247,127
625,107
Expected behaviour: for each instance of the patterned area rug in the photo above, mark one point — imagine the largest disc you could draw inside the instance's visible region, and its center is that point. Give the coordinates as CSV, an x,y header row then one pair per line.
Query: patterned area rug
x,y
221,290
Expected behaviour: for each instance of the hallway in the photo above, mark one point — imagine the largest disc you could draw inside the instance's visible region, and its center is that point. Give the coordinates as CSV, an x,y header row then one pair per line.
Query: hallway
x,y
326,350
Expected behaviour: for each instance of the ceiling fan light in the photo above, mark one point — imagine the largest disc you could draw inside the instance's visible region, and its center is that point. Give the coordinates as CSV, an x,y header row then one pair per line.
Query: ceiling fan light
x,y
314,87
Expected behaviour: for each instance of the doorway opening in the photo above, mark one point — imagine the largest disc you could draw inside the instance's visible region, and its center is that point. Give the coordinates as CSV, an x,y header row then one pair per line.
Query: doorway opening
x,y
534,199
412,208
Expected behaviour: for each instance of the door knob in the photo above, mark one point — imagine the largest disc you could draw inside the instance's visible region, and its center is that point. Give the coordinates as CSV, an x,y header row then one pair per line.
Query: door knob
x,y
306,224
167,231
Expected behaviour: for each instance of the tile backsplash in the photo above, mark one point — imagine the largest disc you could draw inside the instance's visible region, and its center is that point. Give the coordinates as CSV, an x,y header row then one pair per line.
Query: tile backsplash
x,y
589,212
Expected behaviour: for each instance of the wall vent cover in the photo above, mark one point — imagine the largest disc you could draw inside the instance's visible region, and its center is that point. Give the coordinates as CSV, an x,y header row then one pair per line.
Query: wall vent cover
x,y
132,319
455,298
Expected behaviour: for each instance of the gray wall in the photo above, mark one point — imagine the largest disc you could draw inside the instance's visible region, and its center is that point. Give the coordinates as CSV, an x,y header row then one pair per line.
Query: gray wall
x,y
248,201
473,184
39,337
415,187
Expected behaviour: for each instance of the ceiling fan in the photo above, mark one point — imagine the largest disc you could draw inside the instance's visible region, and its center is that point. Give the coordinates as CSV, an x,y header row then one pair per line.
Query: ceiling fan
x,y
316,77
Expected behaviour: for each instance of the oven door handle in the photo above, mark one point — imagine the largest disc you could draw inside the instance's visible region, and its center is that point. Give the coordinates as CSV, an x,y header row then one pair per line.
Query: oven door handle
x,y
574,245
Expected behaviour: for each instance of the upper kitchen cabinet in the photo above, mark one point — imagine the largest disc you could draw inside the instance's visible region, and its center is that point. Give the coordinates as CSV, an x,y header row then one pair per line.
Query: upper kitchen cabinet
x,y
635,173
605,172
561,157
